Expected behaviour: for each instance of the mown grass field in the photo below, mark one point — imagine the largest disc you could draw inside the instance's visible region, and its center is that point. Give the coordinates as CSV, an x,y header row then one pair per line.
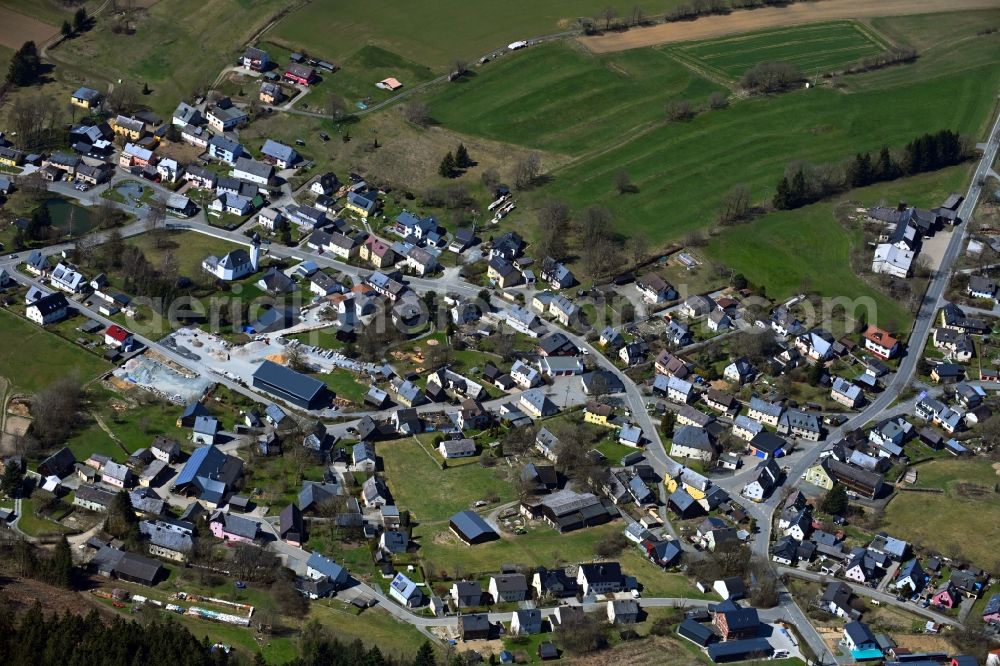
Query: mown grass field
x,y
432,32
964,519
605,115
818,48
789,250
178,45
31,358
559,98
434,494
188,248
542,545
345,384
682,170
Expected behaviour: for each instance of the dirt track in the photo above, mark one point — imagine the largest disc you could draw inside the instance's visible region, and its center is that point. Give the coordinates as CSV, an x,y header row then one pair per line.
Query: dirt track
x,y
772,17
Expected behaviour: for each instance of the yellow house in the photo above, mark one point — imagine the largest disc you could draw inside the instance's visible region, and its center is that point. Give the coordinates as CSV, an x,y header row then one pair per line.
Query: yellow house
x,y
362,204
128,127
377,252
818,476
86,98
10,157
598,415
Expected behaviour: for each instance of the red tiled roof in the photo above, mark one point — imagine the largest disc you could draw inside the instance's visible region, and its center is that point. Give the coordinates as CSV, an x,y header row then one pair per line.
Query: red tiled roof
x,y
116,332
880,337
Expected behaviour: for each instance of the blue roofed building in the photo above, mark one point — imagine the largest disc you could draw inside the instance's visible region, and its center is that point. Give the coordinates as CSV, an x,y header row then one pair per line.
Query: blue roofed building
x,y
471,528
322,568
209,474
293,387
278,154
405,591
860,640
742,650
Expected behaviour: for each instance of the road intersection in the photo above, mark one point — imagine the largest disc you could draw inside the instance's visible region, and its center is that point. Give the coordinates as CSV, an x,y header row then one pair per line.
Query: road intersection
x,y
655,451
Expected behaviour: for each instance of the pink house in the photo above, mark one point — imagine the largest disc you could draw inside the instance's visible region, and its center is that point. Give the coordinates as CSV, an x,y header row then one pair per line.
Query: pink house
x,y
116,474
946,597
229,527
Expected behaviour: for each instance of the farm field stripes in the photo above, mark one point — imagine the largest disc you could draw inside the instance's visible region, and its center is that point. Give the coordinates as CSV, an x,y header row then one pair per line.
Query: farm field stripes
x,y
559,98
432,32
824,47
17,28
802,13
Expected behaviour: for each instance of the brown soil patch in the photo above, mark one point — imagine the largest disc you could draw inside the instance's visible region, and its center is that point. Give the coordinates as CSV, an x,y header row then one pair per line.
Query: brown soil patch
x,y
923,642
445,538
652,650
19,407
16,29
771,17
17,425
182,152
23,593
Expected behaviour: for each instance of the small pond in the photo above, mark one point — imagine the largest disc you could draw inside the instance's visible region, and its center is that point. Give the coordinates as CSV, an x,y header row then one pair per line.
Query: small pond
x,y
69,218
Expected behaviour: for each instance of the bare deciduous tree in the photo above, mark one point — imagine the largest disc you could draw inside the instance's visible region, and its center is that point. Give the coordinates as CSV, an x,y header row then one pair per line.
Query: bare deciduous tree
x,y
416,112
54,409
679,110
526,171
735,204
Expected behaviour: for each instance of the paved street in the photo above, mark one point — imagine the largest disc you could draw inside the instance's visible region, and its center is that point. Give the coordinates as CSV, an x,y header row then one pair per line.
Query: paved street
x,y
656,454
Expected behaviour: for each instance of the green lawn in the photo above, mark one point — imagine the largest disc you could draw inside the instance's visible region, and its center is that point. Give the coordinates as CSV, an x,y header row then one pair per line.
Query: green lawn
x,y
542,545
47,11
345,384
32,358
817,48
606,114
367,66
433,32
782,250
682,170
135,426
34,526
168,33
612,449
656,582
434,494
963,522
371,627
188,248
279,480
560,98
91,440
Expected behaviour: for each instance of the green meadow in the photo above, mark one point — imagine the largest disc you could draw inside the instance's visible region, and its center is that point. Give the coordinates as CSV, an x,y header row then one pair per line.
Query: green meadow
x,y
816,48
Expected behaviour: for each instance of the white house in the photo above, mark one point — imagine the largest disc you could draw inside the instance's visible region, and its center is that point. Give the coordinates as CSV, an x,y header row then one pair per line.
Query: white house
x,y
67,278
48,309
892,260
235,265
524,375
252,171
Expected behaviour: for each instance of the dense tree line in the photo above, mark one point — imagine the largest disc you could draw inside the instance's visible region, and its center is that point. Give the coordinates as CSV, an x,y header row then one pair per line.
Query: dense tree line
x,y
53,568
141,276
73,640
25,67
897,55
33,637
771,77
804,184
